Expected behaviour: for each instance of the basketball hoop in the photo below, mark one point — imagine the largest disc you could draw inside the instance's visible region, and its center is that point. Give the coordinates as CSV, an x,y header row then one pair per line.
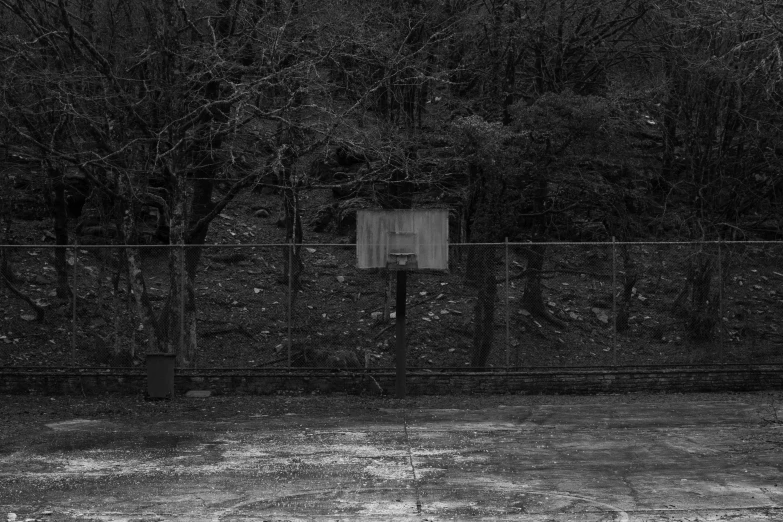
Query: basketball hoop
x,y
401,260
402,241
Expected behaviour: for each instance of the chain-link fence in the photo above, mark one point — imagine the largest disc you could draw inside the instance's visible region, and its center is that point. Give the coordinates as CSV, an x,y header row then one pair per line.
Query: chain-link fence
x,y
520,305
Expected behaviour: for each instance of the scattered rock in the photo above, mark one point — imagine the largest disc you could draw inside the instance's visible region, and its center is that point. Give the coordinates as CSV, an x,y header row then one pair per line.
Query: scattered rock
x,y
329,262
28,317
41,280
376,315
97,322
601,315
340,279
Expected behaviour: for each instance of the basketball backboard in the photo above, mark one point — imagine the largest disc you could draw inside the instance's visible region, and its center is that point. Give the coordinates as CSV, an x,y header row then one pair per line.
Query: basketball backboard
x,y
403,239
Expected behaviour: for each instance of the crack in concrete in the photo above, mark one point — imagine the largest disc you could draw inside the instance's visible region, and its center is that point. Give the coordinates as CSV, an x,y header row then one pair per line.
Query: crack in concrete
x,y
633,492
410,457
622,515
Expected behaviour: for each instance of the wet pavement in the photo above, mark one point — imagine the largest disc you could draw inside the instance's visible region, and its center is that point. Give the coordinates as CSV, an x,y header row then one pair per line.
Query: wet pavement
x,y
542,458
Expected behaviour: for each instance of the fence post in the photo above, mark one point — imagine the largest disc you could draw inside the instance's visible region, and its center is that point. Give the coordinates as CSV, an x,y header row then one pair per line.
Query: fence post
x,y
508,339
290,295
614,303
75,294
182,302
720,302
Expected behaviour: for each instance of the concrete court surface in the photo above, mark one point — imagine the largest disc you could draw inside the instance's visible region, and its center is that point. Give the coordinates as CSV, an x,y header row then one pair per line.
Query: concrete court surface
x,y
537,458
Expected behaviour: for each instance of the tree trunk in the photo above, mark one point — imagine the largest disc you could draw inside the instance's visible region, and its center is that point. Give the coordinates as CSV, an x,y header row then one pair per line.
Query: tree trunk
x,y
207,143
116,304
631,277
671,109
144,309
175,306
201,205
138,287
293,234
55,197
694,302
475,174
509,84
702,319
5,266
533,296
484,311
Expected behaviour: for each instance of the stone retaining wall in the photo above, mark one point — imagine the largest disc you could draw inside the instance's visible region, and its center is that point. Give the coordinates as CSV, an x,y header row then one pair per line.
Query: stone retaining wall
x,y
717,378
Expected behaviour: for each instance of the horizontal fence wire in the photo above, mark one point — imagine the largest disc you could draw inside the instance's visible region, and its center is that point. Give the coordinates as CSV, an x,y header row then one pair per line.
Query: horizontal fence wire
x,y
499,307
345,245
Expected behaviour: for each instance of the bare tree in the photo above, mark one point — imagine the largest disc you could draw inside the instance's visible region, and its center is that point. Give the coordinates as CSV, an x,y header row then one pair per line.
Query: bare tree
x,y
154,102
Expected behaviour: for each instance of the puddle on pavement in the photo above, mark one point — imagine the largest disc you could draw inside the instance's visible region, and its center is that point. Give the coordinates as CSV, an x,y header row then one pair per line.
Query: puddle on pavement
x,y
84,435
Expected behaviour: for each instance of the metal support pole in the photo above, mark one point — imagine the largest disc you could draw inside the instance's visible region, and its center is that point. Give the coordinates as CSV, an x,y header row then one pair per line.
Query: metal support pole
x,y
614,303
75,294
720,303
508,334
290,295
402,279
182,303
